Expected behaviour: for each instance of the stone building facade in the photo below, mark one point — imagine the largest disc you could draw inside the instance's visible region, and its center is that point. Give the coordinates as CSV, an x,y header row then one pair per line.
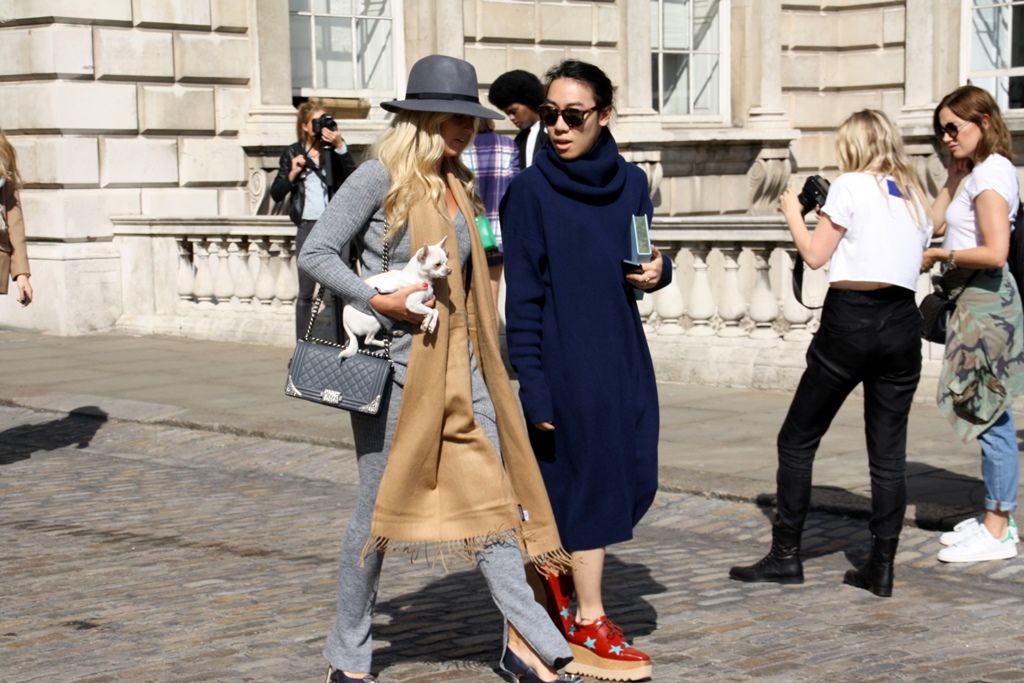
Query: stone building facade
x,y
148,131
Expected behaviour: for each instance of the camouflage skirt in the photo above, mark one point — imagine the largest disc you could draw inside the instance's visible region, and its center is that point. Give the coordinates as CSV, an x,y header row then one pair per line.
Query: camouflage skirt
x,y
983,367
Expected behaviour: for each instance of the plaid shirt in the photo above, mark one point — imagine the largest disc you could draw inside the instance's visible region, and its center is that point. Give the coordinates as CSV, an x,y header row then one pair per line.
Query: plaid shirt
x,y
494,160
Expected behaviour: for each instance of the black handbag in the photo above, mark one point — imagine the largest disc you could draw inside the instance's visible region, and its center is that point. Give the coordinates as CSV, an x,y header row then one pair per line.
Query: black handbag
x,y
935,309
317,373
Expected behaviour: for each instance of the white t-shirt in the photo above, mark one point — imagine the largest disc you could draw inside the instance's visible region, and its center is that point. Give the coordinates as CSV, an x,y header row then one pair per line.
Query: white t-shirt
x,y
883,241
995,173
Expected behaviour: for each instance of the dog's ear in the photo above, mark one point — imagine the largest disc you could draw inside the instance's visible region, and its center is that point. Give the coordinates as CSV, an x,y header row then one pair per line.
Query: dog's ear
x,y
440,245
421,255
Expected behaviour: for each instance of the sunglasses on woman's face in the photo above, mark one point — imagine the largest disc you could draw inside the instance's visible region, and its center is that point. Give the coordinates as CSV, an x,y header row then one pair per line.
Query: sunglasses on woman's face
x,y
573,117
951,129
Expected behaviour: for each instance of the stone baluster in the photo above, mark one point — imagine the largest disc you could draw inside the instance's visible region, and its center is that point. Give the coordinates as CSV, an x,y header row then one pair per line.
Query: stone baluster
x,y
286,287
245,283
795,314
203,284
669,303
731,307
223,282
186,273
702,304
764,307
264,278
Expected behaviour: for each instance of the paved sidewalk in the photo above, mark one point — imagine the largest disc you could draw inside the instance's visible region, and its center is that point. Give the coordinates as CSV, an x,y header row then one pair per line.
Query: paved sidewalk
x,y
714,441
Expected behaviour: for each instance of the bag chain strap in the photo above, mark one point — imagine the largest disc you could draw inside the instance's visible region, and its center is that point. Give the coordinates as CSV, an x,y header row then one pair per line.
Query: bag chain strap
x,y
384,267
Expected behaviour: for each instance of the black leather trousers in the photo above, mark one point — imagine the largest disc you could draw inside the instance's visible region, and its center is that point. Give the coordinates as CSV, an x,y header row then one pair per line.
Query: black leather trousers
x,y
872,338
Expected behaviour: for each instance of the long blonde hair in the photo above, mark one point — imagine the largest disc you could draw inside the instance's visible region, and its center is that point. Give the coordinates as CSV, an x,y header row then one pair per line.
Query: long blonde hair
x,y
411,149
8,160
868,142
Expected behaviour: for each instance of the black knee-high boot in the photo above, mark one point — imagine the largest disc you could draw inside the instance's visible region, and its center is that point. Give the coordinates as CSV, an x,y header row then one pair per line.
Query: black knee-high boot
x,y
877,573
781,564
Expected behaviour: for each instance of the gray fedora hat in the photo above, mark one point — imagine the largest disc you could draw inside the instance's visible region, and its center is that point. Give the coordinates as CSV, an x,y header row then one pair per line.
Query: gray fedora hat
x,y
440,83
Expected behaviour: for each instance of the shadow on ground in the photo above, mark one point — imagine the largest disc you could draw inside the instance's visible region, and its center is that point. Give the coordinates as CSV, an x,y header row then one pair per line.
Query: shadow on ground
x,y
445,606
76,429
929,489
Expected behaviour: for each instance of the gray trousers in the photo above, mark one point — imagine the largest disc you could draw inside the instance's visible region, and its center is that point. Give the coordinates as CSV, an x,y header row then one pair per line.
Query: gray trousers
x,y
349,646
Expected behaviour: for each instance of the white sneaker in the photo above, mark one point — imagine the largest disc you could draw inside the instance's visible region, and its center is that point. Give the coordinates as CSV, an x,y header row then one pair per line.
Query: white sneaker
x,y
980,547
966,528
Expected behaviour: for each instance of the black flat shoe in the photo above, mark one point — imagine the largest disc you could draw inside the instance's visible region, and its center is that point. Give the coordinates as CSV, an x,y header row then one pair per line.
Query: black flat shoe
x,y
335,676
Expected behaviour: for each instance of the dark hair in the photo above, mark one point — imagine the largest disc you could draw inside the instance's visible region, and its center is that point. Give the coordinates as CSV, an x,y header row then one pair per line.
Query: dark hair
x,y
516,86
589,75
971,103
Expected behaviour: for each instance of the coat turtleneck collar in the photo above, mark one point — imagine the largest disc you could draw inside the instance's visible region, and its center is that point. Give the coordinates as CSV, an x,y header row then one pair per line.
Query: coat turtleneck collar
x,y
598,173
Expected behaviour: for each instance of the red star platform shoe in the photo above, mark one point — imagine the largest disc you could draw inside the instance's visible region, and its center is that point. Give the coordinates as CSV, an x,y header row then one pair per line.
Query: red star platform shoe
x,y
600,651
555,593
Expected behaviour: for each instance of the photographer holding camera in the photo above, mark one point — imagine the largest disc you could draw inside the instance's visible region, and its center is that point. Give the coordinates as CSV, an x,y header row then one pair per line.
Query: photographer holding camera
x,y
875,227
311,170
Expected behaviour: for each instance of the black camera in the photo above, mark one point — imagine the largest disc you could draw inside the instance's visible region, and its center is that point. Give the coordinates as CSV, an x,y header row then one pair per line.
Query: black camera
x,y
814,193
324,121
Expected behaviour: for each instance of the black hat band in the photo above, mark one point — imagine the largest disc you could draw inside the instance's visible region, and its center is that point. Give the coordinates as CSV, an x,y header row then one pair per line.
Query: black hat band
x,y
441,96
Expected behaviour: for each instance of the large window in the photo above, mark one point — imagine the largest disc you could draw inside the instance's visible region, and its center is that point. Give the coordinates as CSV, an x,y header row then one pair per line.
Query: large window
x,y
687,43
343,47
996,44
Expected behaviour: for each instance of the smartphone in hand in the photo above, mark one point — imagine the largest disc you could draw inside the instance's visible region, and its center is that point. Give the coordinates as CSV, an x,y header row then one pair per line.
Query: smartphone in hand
x,y
631,267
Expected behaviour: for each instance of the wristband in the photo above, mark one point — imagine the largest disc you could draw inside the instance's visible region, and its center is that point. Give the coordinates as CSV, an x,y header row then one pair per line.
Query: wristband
x,y
951,261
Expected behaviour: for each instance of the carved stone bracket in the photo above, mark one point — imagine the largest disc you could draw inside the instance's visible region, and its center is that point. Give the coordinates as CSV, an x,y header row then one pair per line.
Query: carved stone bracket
x,y
649,161
259,197
768,177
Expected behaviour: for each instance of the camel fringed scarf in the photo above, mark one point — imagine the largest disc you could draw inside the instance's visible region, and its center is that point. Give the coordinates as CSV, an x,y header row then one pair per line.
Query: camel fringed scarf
x,y
444,489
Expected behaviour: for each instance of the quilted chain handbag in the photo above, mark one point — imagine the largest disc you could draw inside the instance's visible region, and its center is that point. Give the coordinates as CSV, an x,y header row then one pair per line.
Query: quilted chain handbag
x,y
317,373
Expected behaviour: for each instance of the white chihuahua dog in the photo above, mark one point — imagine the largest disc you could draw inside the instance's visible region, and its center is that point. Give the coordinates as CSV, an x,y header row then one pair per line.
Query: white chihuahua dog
x,y
428,263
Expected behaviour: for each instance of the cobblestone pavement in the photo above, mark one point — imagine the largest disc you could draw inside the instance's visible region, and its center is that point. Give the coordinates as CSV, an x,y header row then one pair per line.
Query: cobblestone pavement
x,y
135,552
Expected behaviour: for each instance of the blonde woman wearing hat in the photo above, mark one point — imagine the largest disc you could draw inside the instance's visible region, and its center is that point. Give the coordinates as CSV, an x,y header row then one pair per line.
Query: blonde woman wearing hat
x,y
447,472
13,255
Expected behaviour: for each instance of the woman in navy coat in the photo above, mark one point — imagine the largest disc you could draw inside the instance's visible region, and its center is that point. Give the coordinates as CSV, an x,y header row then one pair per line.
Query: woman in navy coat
x,y
577,342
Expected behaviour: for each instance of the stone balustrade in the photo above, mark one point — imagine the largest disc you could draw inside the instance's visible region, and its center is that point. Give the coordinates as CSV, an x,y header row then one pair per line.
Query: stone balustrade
x,y
213,278
729,318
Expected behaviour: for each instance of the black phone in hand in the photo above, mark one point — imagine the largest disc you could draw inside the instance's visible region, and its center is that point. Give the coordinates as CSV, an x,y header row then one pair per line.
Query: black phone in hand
x,y
631,267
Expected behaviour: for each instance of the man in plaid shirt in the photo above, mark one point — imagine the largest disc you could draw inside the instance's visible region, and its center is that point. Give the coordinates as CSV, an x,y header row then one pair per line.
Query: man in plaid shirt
x,y
494,160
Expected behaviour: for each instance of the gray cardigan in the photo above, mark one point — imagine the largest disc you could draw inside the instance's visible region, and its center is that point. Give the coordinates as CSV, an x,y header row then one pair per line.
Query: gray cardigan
x,y
355,215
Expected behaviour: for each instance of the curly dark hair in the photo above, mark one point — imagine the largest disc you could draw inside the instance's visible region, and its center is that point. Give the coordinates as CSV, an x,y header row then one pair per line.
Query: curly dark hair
x,y
516,86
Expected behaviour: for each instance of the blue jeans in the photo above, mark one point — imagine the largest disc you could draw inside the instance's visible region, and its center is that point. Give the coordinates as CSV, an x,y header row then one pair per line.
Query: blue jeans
x,y
1000,464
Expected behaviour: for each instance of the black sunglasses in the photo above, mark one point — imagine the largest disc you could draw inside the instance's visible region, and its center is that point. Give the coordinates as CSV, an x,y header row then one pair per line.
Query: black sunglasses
x,y
573,117
951,129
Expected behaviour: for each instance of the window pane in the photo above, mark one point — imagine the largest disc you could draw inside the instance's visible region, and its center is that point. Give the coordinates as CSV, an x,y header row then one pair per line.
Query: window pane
x,y
374,58
705,25
676,98
374,8
298,5
655,24
705,84
1017,41
334,53
1016,94
676,25
343,7
990,38
655,82
302,52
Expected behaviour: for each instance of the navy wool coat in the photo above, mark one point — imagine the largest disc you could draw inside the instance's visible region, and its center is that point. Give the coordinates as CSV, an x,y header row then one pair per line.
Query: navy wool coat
x,y
577,342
